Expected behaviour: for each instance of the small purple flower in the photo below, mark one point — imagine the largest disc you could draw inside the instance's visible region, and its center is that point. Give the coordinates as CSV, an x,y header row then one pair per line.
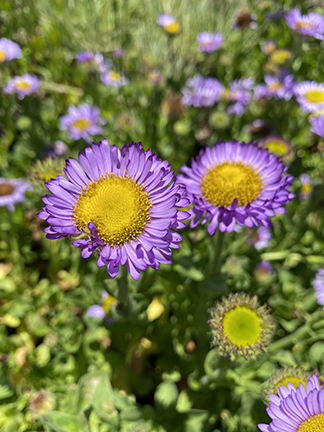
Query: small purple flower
x,y
261,239
263,270
9,50
209,42
82,121
101,311
22,85
240,93
296,409
233,183
12,191
155,77
169,23
114,79
119,52
306,186
268,47
60,148
309,95
318,283
202,91
84,56
318,125
277,87
311,24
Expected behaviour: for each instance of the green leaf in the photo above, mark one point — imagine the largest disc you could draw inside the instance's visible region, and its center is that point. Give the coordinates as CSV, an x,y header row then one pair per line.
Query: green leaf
x,y
166,394
5,392
62,422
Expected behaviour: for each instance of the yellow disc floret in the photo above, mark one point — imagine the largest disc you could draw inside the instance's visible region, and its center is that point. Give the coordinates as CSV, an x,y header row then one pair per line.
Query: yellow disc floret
x,y
242,325
3,56
23,85
294,380
312,424
81,124
230,180
315,96
118,206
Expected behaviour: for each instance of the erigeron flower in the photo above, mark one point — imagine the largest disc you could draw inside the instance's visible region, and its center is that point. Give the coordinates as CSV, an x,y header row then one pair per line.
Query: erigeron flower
x,y
318,125
12,191
281,377
22,85
102,311
279,147
9,50
318,283
209,42
306,186
261,239
169,24
113,79
310,95
280,87
311,24
202,91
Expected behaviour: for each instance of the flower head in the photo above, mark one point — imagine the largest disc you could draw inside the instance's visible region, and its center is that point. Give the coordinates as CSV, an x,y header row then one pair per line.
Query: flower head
x,y
202,91
280,56
311,24
209,42
22,85
113,79
43,171
155,77
9,50
280,147
318,125
268,47
240,326
261,238
296,409
310,95
263,271
123,203
233,183
119,52
318,283
101,311
95,59
12,191
306,186
82,121
169,23
281,377
84,56
277,87
240,92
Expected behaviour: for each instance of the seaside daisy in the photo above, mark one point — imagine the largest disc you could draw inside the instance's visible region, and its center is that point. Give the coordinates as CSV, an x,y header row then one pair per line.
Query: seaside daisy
x,y
263,271
169,24
281,377
119,53
22,85
240,326
310,95
84,56
12,191
261,238
275,87
268,47
209,42
306,186
101,311
113,79
296,409
318,125
311,24
155,77
318,283
9,50
239,92
123,204
279,147
82,121
235,183
202,91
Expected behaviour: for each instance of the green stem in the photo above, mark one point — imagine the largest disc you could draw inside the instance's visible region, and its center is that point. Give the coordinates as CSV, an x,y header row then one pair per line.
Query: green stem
x,y
216,257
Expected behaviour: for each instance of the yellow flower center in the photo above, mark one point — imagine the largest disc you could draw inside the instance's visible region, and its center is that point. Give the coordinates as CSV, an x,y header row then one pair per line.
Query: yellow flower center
x,y
114,76
276,147
225,94
280,56
315,96
307,188
304,24
274,86
6,189
312,424
242,325
23,85
107,303
3,56
295,381
81,124
230,180
117,205
173,28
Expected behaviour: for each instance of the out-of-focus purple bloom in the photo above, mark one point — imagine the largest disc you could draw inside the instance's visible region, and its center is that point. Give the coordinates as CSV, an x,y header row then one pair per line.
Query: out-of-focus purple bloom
x,y
202,91
318,283
261,239
95,59
209,42
60,148
9,50
311,24
12,191
263,270
119,52
169,23
101,311
82,121
277,87
114,79
22,85
309,95
240,92
268,47
279,14
318,125
84,56
306,186
245,20
155,77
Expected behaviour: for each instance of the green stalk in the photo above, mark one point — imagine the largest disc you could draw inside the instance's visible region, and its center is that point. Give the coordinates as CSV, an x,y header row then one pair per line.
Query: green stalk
x,y
216,255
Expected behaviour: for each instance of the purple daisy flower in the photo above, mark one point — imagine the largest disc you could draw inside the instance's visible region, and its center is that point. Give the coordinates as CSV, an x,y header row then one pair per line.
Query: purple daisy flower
x,y
268,47
82,121
319,286
9,50
113,79
277,87
101,311
209,42
12,191
296,409
22,85
202,91
263,270
169,23
306,186
233,183
240,93
261,239
318,125
310,95
84,56
155,77
123,202
311,24
119,52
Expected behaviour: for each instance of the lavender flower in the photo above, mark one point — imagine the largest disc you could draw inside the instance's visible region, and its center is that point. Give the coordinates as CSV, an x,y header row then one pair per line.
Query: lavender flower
x,y
12,191
202,91
310,95
263,270
277,87
318,125
101,311
306,186
9,50
240,93
169,23
261,239
22,85
155,77
209,42
113,79
119,52
268,47
82,121
84,56
311,24
318,283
